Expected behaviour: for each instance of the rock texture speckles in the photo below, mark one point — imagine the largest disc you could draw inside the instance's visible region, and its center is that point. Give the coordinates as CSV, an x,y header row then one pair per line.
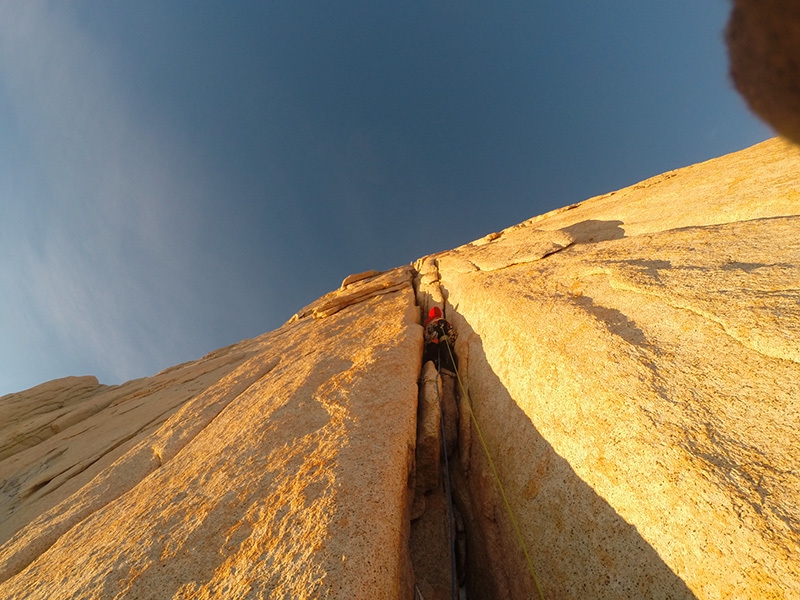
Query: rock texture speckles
x,y
632,361
639,391
286,477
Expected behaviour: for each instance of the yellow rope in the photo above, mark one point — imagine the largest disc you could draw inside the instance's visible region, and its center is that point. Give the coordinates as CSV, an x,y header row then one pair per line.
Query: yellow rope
x,y
496,476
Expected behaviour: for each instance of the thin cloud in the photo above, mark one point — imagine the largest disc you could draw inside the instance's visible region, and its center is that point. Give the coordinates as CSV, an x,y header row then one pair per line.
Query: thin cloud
x,y
99,223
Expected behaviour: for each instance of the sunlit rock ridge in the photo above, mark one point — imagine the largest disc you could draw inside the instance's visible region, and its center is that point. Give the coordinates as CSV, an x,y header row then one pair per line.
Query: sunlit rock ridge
x,y
631,360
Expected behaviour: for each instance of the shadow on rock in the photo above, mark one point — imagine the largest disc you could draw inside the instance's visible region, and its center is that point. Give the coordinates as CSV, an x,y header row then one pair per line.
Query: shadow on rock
x,y
594,230
580,547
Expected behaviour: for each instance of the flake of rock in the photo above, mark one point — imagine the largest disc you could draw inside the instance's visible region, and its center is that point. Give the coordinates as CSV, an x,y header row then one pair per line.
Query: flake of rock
x,y
517,245
429,431
32,416
350,279
356,292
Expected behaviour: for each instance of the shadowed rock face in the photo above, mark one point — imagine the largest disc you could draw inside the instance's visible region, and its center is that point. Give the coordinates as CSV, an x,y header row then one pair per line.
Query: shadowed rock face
x,y
633,364
764,47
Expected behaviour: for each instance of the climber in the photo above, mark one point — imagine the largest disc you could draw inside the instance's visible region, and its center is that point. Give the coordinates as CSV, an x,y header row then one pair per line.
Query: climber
x,y
439,340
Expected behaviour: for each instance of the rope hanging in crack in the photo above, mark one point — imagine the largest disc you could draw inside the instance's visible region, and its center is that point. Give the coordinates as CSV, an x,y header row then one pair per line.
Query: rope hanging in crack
x,y
448,488
496,476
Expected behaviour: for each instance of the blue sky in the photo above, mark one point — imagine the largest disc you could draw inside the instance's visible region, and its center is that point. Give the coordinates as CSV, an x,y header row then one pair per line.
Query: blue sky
x,y
178,176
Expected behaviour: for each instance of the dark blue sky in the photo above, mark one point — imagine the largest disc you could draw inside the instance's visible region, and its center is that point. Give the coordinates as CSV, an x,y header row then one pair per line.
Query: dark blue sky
x,y
177,176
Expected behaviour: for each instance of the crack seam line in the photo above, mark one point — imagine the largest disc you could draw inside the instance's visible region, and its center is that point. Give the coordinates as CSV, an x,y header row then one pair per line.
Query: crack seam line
x,y
618,285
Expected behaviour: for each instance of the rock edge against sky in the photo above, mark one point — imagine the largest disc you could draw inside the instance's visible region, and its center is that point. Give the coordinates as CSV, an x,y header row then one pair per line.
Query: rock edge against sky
x,y
632,360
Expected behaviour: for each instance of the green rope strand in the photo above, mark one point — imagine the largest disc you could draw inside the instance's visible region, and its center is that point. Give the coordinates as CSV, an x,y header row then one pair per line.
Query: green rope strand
x,y
496,476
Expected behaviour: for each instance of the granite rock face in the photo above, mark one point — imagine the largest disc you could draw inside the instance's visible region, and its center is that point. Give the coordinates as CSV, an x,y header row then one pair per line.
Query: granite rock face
x,y
631,363
634,368
277,468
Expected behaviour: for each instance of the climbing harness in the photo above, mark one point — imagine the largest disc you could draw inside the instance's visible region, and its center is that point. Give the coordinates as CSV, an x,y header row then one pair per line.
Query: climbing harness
x,y
494,472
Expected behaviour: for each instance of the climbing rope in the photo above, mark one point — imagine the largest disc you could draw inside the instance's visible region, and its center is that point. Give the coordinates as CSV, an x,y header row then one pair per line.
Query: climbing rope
x,y
496,475
448,488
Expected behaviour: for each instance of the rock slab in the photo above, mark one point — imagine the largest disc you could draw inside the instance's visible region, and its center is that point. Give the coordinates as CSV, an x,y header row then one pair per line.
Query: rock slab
x,y
285,476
